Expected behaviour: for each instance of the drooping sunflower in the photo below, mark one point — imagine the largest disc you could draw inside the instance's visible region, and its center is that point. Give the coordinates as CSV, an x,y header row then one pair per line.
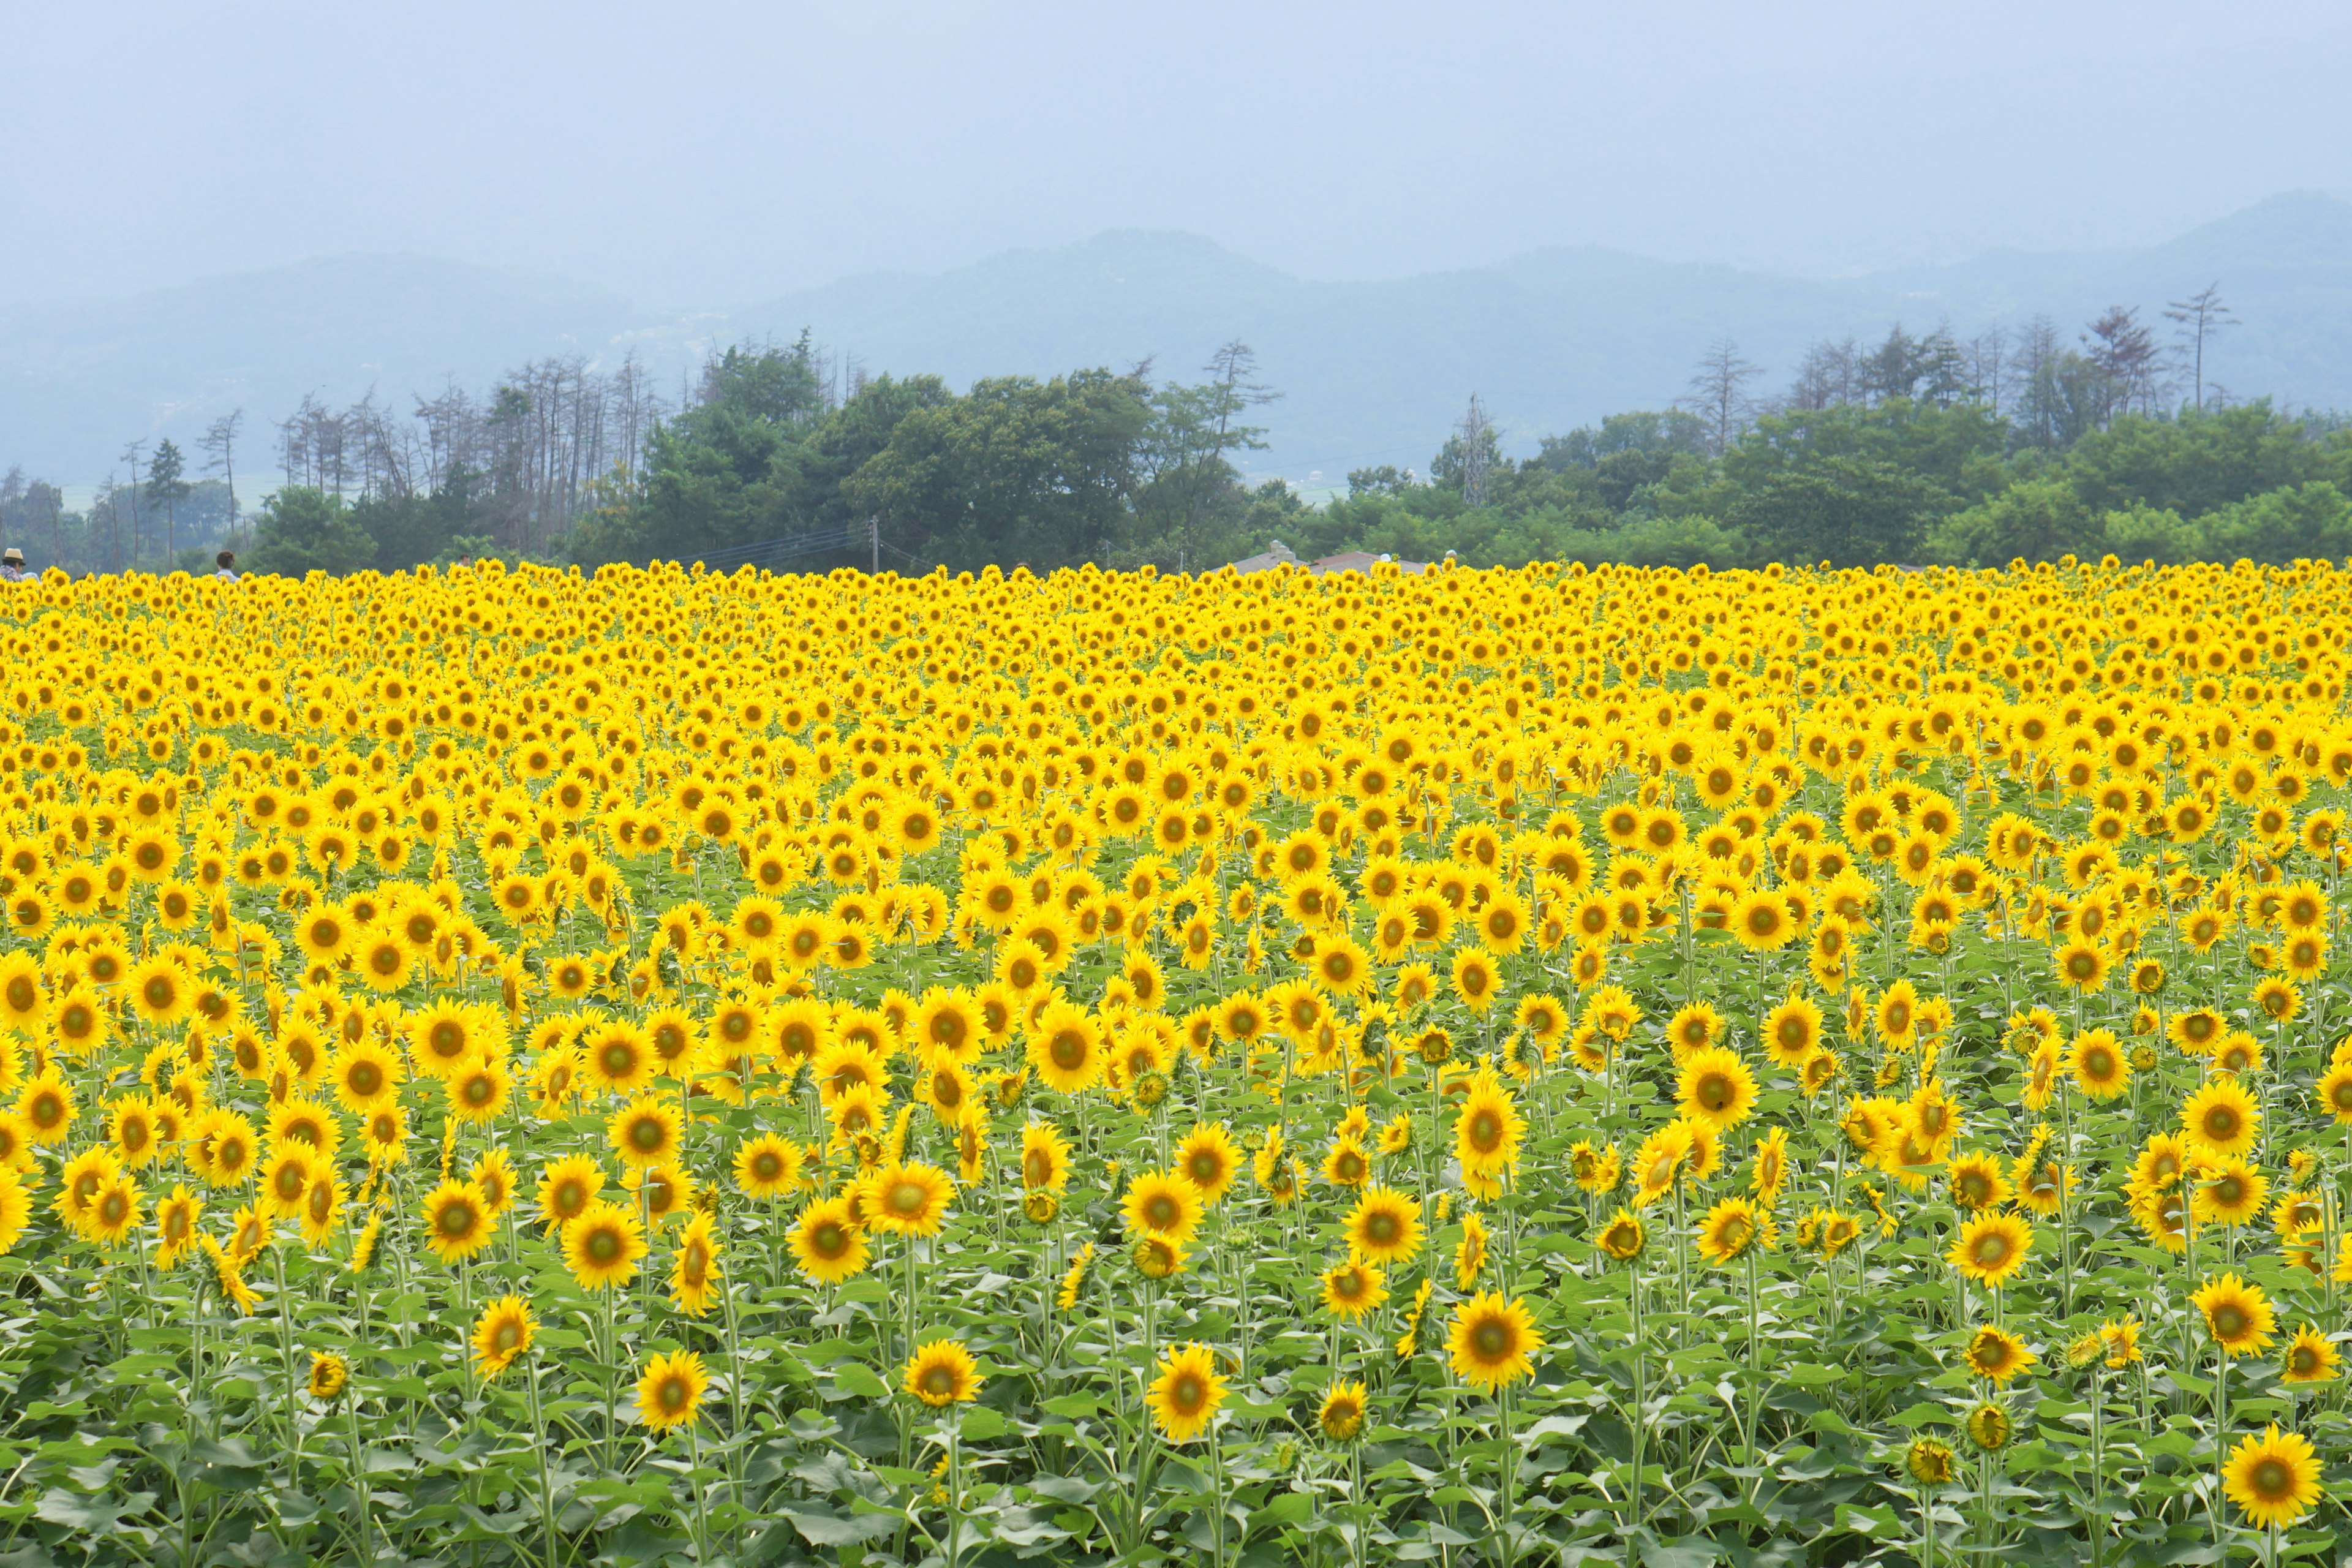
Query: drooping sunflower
x,y
330,1374
502,1333
1731,1228
1340,1416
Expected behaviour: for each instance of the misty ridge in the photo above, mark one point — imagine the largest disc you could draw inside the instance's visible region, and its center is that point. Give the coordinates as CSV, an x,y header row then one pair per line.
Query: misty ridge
x,y
1044,407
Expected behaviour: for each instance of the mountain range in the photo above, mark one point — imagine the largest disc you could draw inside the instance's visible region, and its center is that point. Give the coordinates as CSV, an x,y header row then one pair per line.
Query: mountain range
x,y
1370,372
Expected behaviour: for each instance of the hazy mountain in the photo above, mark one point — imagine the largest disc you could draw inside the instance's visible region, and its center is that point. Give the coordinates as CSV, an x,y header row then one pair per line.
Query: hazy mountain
x,y
81,379
1370,371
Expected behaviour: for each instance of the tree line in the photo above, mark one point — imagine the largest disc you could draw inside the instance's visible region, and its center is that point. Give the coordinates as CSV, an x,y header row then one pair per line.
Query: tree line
x,y
1913,448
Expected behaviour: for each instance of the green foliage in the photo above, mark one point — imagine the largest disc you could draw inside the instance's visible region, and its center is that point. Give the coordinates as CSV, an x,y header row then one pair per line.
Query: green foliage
x,y
301,529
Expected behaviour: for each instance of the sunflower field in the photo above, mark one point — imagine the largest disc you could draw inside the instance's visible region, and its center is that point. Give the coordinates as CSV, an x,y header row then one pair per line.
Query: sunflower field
x,y
1500,1066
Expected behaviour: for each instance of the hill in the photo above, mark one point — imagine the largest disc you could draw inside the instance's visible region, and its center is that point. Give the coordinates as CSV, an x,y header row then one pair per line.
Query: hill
x,y
1370,371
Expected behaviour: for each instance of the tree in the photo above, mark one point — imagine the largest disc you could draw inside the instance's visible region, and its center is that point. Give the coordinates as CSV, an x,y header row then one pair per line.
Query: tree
x,y
2125,354
1018,471
164,480
134,453
301,529
219,445
1849,511
1185,462
1717,392
2198,316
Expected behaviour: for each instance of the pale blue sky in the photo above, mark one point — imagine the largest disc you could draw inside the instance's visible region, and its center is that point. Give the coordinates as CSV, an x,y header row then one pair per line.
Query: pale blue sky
x,y
697,153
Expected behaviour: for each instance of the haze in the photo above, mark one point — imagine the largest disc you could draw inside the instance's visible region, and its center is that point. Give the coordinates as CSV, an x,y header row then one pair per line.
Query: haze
x,y
697,154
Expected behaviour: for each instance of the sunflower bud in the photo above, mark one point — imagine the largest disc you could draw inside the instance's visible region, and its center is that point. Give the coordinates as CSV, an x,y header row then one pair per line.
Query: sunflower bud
x,y
1041,1204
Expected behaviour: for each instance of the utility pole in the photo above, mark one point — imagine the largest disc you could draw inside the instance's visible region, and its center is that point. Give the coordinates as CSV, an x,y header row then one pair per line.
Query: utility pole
x,y
874,537
1474,435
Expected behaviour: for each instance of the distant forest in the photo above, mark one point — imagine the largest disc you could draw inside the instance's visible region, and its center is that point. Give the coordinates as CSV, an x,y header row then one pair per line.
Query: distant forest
x,y
2006,445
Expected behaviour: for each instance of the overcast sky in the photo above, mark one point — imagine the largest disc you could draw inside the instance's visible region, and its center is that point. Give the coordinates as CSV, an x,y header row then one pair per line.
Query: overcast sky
x,y
696,154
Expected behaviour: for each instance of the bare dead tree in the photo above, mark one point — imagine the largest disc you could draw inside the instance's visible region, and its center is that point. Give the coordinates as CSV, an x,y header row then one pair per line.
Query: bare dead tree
x,y
1718,392
2198,317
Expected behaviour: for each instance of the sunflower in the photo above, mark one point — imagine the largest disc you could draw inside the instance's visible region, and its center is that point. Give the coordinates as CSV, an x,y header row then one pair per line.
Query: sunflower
x,y
907,1197
1065,1048
617,1058
458,1222
1475,979
1487,1131
1208,1158
1716,1088
2229,1192
602,1245
161,992
1186,1394
1384,1227
2222,1116
1164,1203
329,1375
1761,922
1352,1290
1991,1247
502,1333
1340,1416
566,1188
769,1166
829,1244
943,1373
2100,1068
1624,1238
2237,1315
2272,1479
2310,1358
645,1132
1493,1341
1996,1355
1791,1031
670,1393
1663,1157
365,1076
1731,1228
697,1266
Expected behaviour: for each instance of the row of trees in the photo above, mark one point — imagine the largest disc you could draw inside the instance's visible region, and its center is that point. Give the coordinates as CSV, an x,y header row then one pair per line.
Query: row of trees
x,y
1910,449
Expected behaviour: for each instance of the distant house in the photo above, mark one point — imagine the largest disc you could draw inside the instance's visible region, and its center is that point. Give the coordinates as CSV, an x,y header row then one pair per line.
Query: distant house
x,y
1364,560
1276,554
